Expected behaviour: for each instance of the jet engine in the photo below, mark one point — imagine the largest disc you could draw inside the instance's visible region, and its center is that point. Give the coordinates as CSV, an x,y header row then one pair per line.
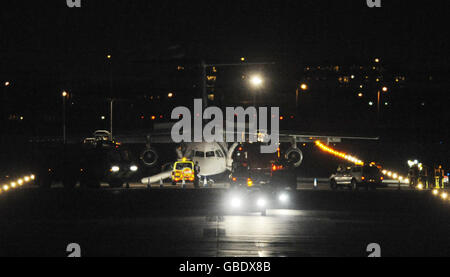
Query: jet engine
x,y
294,156
149,157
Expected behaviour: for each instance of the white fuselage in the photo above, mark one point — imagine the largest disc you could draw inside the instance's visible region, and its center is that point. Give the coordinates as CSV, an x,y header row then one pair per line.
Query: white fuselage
x,y
211,157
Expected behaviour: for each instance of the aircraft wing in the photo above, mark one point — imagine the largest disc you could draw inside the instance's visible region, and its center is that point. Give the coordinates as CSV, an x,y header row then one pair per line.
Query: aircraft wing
x,y
144,138
164,136
305,137
291,136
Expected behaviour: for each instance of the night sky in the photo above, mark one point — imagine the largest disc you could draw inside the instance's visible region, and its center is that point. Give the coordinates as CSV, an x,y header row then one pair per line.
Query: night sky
x,y
47,38
45,48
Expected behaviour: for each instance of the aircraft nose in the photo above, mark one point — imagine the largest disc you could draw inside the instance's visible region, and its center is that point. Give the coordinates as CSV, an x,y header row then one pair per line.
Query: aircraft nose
x,y
210,167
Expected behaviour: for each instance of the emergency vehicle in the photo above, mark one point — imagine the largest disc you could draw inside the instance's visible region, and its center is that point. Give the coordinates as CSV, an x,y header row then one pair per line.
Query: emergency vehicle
x,y
183,170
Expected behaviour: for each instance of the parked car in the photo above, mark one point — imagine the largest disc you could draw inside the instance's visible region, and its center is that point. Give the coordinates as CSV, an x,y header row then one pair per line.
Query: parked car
x,y
354,177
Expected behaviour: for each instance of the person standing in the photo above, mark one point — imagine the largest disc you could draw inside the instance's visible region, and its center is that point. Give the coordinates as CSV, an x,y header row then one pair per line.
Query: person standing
x,y
196,175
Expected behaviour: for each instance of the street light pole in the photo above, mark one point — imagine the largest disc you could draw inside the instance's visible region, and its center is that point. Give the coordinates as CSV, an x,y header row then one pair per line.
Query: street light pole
x,y
204,92
384,89
257,82
64,95
111,103
302,87
378,104
4,113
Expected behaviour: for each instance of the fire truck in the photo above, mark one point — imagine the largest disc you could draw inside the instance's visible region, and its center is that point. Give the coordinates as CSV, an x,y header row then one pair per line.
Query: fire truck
x,y
254,169
89,162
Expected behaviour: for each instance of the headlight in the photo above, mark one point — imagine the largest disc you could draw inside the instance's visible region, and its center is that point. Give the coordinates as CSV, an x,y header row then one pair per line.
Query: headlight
x,y
115,168
133,168
235,202
284,197
261,202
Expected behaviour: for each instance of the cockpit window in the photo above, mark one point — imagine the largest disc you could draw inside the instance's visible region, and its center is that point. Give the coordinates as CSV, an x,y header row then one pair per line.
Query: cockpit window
x,y
181,166
210,154
200,154
219,153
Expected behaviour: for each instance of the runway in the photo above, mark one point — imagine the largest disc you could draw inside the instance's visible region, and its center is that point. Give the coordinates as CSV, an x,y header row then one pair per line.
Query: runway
x,y
192,223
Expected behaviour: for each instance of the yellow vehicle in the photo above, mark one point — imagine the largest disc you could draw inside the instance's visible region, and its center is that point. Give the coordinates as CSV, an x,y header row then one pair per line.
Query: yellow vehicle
x,y
183,170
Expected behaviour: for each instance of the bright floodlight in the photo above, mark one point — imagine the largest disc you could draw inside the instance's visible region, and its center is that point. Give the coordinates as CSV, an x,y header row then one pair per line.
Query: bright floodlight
x,y
256,81
133,168
115,168
235,202
283,197
261,202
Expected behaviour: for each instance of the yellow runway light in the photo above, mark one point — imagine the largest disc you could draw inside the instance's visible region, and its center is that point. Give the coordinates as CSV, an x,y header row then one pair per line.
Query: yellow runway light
x,y
338,154
27,179
13,184
249,182
5,187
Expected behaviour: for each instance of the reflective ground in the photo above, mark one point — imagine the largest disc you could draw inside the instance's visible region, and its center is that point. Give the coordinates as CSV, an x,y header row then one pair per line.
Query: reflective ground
x,y
176,222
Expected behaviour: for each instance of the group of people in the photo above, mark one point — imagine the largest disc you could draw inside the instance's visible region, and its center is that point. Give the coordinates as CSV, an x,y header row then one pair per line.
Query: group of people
x,y
428,178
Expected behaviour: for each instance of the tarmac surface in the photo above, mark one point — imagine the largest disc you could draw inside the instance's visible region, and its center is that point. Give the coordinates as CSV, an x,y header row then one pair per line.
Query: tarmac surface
x,y
197,222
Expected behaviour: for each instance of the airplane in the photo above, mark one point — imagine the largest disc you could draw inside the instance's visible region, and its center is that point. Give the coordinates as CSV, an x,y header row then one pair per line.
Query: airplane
x,y
216,158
